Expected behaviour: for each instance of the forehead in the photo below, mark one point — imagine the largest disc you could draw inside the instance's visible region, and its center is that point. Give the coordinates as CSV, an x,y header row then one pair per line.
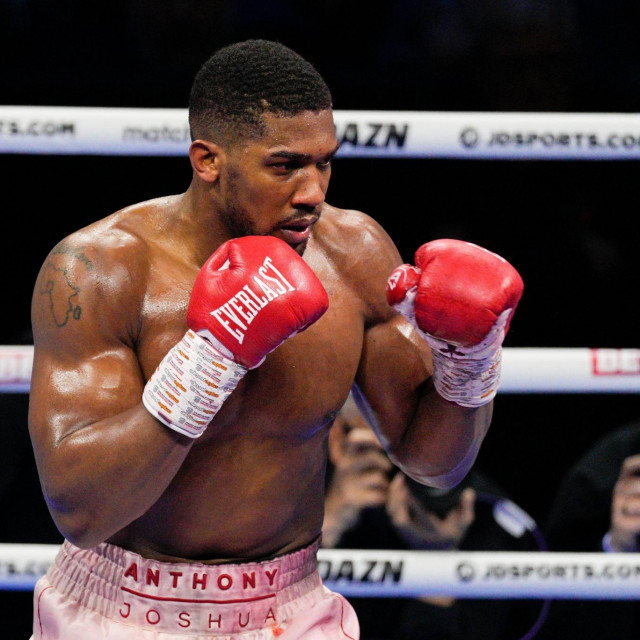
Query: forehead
x,y
306,133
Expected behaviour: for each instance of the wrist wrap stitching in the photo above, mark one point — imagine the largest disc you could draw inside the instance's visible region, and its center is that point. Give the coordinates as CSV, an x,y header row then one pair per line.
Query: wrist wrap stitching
x,y
190,385
467,381
468,376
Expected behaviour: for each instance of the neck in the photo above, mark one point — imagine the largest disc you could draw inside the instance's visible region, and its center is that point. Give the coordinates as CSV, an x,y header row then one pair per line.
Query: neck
x,y
208,232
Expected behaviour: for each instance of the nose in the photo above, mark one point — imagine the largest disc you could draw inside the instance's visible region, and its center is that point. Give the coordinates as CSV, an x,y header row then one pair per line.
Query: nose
x,y
311,189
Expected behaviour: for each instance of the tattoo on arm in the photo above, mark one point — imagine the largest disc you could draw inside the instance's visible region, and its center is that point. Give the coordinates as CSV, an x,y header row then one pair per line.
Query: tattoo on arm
x,y
76,252
62,295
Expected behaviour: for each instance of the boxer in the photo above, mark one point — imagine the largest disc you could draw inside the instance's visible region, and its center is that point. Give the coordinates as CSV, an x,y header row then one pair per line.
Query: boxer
x,y
192,351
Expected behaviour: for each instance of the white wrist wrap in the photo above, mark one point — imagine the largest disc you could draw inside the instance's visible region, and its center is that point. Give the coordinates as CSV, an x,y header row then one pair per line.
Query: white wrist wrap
x,y
468,379
468,376
190,385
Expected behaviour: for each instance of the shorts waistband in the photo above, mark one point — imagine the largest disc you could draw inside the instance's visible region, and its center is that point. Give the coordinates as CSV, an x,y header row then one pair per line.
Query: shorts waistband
x,y
186,597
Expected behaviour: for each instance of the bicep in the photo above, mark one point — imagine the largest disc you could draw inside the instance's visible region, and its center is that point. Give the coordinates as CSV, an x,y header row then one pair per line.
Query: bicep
x,y
68,395
395,361
395,364
84,370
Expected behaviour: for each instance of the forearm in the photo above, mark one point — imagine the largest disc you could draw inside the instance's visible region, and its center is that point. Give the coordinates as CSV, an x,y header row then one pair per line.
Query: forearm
x,y
460,299
441,442
464,334
114,471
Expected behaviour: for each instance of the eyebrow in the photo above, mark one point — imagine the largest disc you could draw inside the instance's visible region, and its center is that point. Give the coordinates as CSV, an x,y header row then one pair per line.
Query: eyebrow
x,y
300,157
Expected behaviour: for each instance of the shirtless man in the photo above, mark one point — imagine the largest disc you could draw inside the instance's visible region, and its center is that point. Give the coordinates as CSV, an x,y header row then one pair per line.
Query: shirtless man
x,y
191,353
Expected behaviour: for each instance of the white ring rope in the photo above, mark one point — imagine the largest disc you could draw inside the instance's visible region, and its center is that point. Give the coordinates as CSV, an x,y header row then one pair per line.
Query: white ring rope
x,y
524,370
375,134
377,573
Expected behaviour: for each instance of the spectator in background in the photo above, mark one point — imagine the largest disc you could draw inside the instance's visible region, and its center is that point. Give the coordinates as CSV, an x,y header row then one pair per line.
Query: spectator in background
x,y
370,505
597,509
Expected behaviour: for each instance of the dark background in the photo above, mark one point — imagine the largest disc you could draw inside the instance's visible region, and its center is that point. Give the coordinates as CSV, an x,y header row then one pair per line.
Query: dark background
x,y
571,228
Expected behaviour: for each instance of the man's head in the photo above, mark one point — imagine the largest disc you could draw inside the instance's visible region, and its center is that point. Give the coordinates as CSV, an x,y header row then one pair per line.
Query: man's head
x,y
240,83
264,137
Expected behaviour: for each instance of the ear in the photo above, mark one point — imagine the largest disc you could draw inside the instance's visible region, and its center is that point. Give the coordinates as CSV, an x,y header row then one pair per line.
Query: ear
x,y
206,158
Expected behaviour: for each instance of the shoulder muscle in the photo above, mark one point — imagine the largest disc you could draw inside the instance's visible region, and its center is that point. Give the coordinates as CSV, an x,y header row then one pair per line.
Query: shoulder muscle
x,y
364,253
85,284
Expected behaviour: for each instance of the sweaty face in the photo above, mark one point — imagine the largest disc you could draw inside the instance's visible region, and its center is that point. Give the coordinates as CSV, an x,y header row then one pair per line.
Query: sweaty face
x,y
276,185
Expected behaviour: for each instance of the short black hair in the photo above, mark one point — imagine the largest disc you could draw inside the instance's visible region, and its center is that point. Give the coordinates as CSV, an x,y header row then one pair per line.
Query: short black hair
x,y
242,81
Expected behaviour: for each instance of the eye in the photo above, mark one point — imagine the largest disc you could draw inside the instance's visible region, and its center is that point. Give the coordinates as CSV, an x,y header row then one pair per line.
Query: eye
x,y
326,163
280,165
286,165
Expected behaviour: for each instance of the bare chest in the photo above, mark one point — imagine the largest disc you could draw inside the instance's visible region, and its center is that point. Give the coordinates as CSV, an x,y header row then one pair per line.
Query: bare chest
x,y
298,388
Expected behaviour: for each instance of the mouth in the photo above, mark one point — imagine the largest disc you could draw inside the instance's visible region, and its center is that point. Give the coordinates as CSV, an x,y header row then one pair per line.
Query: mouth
x,y
296,231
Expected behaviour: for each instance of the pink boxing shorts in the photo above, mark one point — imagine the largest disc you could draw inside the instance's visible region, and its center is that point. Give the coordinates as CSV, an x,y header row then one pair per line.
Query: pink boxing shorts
x,y
108,592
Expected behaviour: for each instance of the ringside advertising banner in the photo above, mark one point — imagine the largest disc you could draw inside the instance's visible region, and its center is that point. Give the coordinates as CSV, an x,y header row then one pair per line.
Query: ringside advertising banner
x,y
481,574
377,134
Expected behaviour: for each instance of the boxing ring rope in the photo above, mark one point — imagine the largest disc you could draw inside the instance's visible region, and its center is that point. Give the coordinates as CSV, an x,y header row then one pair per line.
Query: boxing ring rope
x,y
382,573
524,370
374,134
386,134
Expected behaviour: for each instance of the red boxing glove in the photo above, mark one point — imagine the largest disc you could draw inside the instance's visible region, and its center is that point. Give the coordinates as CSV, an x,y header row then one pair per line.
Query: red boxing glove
x,y
461,290
252,294
461,297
